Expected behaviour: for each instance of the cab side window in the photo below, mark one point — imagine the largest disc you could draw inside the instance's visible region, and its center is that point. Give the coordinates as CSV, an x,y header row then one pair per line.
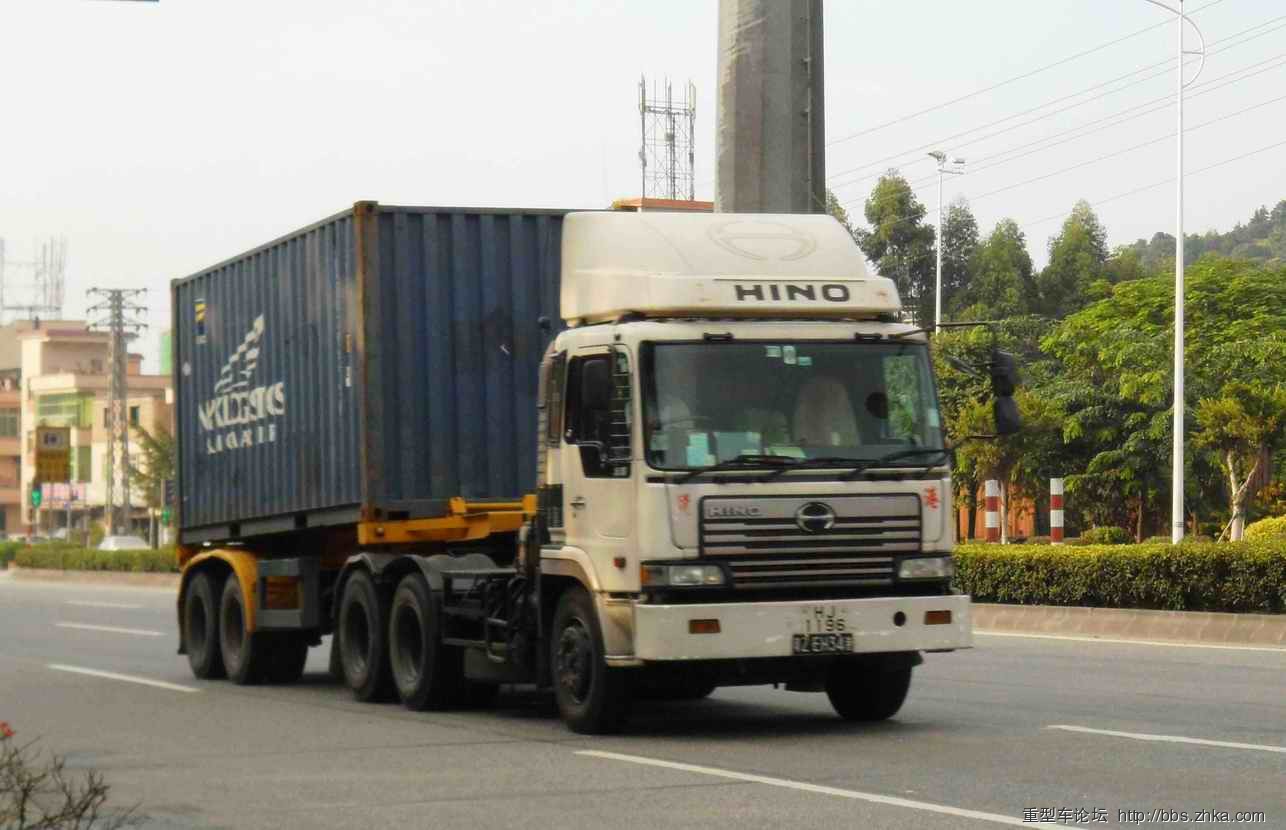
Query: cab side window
x,y
589,415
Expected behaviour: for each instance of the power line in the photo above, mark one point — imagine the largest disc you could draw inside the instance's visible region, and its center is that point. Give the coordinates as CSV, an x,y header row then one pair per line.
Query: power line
x,y
1168,63
1117,153
978,166
1156,184
1015,79
1042,177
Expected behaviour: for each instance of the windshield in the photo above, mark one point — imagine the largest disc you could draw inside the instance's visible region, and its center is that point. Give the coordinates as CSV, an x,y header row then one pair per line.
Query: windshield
x,y
710,402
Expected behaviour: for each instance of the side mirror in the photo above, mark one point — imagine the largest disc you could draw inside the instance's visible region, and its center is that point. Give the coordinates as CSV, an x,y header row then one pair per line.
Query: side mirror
x,y
596,385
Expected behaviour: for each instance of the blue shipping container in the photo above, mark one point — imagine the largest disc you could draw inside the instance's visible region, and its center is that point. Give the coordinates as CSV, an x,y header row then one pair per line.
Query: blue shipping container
x,y
368,367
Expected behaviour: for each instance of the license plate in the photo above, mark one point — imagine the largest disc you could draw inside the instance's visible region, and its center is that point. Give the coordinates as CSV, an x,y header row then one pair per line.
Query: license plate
x,y
823,629
821,643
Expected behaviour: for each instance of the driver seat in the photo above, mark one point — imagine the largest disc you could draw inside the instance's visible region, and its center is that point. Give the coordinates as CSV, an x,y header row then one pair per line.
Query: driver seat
x,y
824,415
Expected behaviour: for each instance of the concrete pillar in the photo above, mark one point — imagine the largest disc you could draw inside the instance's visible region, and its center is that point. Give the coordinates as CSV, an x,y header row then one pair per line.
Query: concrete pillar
x,y
1056,511
993,510
770,144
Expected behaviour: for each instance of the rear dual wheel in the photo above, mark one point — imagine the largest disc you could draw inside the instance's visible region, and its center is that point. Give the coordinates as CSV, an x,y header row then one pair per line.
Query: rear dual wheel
x,y
218,644
252,657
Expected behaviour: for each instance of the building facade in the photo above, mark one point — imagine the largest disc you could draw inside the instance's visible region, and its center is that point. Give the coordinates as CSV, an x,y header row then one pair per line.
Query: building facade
x,y
56,373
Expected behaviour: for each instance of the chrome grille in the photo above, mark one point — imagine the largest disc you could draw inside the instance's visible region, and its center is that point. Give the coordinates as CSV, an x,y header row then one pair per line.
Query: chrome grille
x,y
779,543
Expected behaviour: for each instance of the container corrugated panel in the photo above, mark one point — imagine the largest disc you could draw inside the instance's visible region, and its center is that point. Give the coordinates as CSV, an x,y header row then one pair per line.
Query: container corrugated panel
x,y
370,366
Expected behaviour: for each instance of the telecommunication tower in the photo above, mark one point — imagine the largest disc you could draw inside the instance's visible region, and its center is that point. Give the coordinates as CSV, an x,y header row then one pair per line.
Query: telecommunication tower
x,y
41,294
666,154
119,312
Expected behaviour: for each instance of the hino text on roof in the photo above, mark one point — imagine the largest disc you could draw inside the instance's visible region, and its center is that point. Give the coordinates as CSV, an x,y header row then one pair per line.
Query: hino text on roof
x,y
727,467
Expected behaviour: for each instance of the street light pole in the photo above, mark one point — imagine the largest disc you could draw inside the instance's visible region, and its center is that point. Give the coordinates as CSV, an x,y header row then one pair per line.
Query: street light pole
x,y
941,158
1176,455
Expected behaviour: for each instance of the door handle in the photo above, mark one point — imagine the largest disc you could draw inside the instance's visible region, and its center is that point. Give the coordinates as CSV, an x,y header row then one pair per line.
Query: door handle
x,y
578,502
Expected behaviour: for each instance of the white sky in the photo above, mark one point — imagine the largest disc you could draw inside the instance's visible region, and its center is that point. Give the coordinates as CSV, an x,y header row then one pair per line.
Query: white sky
x,y
159,138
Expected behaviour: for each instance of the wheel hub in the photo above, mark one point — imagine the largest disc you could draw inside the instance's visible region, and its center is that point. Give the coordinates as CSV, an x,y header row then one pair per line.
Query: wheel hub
x,y
575,661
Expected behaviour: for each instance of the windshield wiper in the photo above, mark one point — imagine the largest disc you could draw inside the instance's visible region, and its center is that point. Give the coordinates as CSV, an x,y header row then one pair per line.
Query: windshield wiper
x,y
896,456
806,463
746,459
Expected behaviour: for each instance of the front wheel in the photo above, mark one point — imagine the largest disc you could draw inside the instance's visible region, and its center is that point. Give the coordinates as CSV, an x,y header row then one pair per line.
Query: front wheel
x,y
868,690
593,698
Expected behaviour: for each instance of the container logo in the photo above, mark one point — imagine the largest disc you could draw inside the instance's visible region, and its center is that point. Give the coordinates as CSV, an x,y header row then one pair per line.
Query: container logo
x,y
241,414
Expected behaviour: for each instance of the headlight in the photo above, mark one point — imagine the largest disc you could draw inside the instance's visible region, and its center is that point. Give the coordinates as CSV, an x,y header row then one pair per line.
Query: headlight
x,y
926,567
658,576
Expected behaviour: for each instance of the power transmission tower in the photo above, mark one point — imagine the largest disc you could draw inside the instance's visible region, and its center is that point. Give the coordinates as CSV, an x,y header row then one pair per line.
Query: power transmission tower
x,y
119,312
668,131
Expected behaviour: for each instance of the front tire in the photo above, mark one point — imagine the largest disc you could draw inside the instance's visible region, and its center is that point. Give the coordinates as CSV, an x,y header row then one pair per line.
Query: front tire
x,y
593,698
866,690
363,652
201,628
426,673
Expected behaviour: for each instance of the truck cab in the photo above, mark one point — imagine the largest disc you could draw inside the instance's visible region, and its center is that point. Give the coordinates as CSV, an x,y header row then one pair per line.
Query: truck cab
x,y
743,465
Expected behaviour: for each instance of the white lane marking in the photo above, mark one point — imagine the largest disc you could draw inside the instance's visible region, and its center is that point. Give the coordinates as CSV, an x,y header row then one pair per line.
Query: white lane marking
x,y
875,798
1169,739
86,604
127,678
1120,641
111,629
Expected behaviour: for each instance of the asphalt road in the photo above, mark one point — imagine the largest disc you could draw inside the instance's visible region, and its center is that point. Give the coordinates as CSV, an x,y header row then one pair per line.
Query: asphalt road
x,y
1169,729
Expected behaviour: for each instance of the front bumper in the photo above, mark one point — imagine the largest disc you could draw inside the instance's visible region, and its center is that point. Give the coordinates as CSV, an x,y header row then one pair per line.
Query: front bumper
x,y
765,629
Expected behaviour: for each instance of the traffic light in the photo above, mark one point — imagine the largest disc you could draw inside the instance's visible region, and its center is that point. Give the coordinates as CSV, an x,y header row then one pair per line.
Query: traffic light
x,y
35,494
167,494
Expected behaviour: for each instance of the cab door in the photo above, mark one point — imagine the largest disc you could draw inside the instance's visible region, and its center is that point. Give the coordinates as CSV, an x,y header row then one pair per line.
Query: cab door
x,y
598,468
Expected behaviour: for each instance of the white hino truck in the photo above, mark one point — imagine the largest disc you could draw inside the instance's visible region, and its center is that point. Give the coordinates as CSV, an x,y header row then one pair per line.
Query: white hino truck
x,y
741,477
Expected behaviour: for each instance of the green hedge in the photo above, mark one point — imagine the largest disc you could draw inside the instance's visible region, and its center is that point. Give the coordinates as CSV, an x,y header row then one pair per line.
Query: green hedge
x,y
8,550
1272,528
69,558
1232,576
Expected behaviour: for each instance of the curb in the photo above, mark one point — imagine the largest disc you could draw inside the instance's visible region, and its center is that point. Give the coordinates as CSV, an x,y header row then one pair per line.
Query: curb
x,y
124,578
1200,627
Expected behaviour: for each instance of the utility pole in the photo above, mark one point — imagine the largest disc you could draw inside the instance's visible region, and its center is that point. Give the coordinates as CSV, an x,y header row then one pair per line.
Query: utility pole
x,y
119,309
770,119
958,169
1177,522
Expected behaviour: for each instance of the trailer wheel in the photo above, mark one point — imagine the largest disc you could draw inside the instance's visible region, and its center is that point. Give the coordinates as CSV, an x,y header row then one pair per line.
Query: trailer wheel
x,y
244,653
593,698
287,656
426,673
201,629
863,690
363,621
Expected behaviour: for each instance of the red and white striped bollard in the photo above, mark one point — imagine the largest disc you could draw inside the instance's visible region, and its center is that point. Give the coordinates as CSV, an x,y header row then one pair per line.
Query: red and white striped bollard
x,y
1056,511
993,510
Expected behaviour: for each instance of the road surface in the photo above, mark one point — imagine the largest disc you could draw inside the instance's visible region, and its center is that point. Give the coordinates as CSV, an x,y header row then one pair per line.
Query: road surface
x,y
1012,731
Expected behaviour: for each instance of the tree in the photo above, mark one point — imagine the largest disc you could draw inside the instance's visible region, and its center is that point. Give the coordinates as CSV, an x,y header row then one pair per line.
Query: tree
x,y
835,209
1020,462
959,249
1002,284
1244,425
1076,259
1116,378
899,244
158,463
